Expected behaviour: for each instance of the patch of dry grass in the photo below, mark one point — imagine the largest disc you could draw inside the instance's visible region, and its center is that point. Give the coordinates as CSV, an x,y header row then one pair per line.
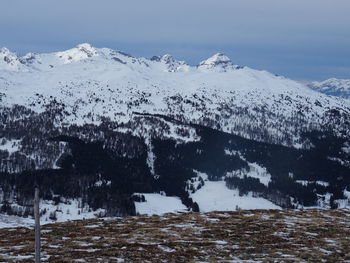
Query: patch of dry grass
x,y
245,236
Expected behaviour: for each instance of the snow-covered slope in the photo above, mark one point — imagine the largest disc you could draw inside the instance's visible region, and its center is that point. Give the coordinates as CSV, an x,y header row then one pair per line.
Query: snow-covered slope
x,y
218,62
112,125
9,60
89,83
215,196
157,204
333,86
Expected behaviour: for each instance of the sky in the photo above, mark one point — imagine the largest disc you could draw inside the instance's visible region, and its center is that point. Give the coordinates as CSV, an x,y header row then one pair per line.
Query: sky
x,y
299,39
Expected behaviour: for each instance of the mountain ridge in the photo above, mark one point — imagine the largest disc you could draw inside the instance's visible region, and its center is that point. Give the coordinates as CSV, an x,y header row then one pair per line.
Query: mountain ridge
x,y
85,50
155,87
332,86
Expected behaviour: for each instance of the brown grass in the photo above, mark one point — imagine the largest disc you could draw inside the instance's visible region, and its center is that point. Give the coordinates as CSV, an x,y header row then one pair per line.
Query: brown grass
x,y
261,236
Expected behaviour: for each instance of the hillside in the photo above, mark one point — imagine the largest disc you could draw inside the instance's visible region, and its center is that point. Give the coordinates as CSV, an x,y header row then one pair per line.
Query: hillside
x,y
243,236
333,87
88,85
101,131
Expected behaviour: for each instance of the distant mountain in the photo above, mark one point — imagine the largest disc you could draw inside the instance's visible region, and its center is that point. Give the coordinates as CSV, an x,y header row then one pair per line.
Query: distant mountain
x,y
102,130
90,83
218,62
333,87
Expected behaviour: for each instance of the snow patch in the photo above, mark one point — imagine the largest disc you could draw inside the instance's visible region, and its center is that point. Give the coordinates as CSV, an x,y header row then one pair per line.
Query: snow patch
x,y
255,170
7,221
157,204
346,193
215,196
70,209
11,146
306,183
346,148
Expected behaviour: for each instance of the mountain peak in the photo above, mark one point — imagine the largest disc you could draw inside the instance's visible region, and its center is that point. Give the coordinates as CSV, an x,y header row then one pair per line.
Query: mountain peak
x,y
85,46
218,60
9,60
79,52
335,82
4,51
167,58
170,62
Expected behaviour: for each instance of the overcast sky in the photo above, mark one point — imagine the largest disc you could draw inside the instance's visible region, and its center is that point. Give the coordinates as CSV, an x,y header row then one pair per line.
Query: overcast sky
x,y
301,39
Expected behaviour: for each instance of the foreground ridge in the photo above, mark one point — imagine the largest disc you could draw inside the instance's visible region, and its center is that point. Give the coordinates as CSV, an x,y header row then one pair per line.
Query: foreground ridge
x,y
241,236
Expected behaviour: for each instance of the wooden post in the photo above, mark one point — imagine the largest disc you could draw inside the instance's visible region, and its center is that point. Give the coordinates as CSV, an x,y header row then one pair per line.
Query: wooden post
x,y
37,225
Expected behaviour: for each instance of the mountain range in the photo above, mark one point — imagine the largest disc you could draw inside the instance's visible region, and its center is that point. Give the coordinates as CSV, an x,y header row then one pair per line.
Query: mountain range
x,y
101,130
333,87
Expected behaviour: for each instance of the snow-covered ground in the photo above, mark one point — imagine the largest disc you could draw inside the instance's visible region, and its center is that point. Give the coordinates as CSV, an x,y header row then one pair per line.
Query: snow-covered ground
x,y
255,171
70,209
10,146
333,86
346,148
344,203
7,221
157,204
215,196
305,182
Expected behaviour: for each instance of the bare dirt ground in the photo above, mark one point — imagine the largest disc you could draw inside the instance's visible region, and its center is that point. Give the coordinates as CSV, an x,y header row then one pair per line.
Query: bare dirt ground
x,y
244,236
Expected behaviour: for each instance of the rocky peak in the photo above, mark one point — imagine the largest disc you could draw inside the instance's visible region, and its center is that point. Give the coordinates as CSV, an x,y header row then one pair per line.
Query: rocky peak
x,y
80,52
219,60
8,59
171,63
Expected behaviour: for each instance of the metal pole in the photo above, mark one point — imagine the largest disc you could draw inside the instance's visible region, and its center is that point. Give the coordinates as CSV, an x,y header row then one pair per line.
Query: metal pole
x,y
37,225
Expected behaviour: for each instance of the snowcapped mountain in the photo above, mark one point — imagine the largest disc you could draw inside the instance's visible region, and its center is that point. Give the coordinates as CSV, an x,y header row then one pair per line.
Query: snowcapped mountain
x,y
333,86
9,60
122,130
91,83
218,62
